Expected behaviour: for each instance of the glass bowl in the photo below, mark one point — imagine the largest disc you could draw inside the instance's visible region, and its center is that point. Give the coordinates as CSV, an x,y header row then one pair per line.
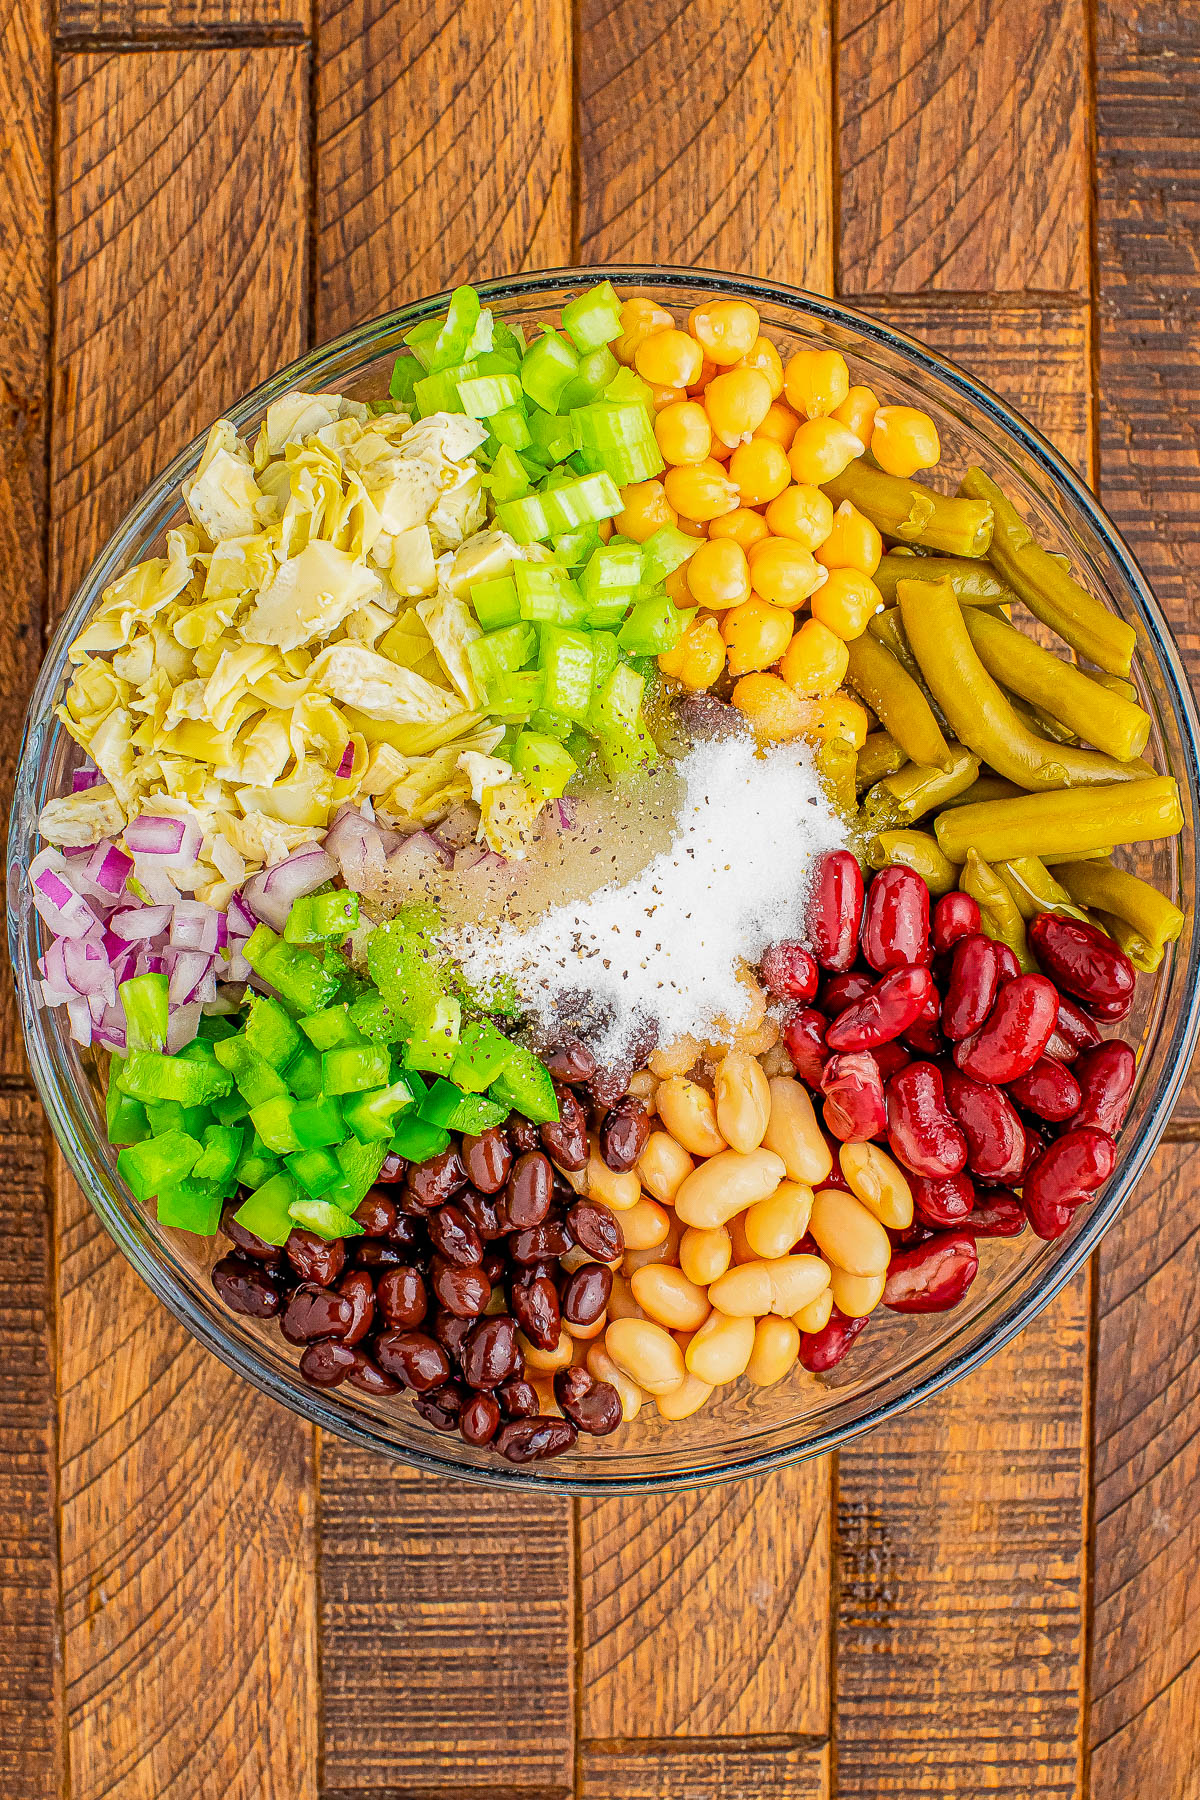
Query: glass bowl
x,y
898,1361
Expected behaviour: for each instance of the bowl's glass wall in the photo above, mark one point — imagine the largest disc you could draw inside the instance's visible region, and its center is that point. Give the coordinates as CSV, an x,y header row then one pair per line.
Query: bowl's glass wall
x,y
897,1360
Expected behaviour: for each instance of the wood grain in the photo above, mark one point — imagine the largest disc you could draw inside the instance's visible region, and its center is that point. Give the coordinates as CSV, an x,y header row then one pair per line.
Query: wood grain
x,y
1146,1656
706,1772
705,136
443,147
446,1633
31,1700
962,1527
705,1613
25,128
186,1500
963,145
127,21
181,264
1148,241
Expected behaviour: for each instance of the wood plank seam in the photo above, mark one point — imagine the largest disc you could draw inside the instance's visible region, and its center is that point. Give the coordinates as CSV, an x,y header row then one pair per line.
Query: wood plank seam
x,y
217,37
705,1746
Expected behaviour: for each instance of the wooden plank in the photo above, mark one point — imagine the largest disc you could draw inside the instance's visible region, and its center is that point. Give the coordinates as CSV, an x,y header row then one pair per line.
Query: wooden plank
x,y
186,1500
443,153
443,147
446,1637
1146,1657
181,264
128,21
962,1528
705,1614
25,129
31,1700
706,1772
705,136
1148,239
962,140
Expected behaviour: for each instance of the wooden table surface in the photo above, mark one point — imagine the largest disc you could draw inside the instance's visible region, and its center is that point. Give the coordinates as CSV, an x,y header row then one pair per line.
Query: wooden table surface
x,y
198,1595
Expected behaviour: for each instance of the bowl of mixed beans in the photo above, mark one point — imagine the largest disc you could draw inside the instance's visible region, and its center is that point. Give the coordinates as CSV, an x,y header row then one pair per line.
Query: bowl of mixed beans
x,y
713,1254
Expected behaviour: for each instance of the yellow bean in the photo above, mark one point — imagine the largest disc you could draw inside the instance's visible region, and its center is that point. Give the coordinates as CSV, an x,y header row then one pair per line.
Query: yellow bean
x,y
815,1316
619,1189
879,1183
543,1386
704,1256
584,1333
675,1058
743,1101
621,1303
776,1346
794,1135
683,1401
667,1296
856,1295
601,1365
643,1086
727,1184
547,1360
688,1112
848,1234
663,1165
773,1225
780,1285
743,1252
648,1354
721,1348
645,1225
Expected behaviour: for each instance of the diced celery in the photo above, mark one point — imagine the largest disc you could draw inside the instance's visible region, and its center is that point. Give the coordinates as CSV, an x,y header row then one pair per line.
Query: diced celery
x,y
625,753
568,664
618,701
582,500
421,340
549,724
593,317
269,1030
627,464
482,395
496,603
547,595
509,479
542,764
663,551
406,372
573,548
548,366
454,339
654,626
595,371
604,425
502,652
511,427
605,657
438,391
627,385
515,696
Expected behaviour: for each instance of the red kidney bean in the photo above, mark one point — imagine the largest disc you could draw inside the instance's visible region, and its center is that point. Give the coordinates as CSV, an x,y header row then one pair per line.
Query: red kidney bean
x,y
533,1440
1105,1075
921,1129
356,1287
483,1213
1014,1034
452,1333
942,1201
1084,961
529,1193
924,1036
835,909
996,1213
246,1241
1035,1142
518,1397
994,1133
933,1276
1010,968
442,1406
971,986
1110,1012
912,1235
895,927
522,1133
536,1310
1068,1171
893,1004
490,1353
313,1312
393,1168
955,916
367,1376
452,1234
890,1059
328,1364
487,1160
566,1139
412,1357
790,972
543,1243
585,1293
1073,1031
245,1288
855,1109
402,1297
824,1349
1049,1089
464,1292
596,1230
377,1213
572,1061
623,1133
804,1041
434,1182
479,1420
593,1406
841,991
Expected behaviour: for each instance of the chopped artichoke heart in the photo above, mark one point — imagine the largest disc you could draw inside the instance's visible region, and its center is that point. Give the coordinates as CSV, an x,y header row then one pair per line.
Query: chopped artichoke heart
x,y
309,597
77,819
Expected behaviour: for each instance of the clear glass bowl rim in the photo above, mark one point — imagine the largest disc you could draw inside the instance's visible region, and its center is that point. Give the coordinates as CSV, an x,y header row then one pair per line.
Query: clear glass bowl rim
x,y
379,337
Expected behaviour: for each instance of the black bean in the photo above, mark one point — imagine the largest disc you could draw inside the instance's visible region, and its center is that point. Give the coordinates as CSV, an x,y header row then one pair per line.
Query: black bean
x,y
316,1259
518,1397
247,1288
544,1242
413,1358
623,1133
566,1140
328,1364
487,1159
479,1419
452,1234
451,1333
246,1241
533,1440
407,1233
522,1133
572,1061
375,1254
369,1377
490,1353
441,1407
313,1313
394,1168
377,1213
482,1211
434,1182
464,1292
494,1264
357,1287
594,1406
529,1191
402,1297
585,1293
535,1307
596,1230
608,1085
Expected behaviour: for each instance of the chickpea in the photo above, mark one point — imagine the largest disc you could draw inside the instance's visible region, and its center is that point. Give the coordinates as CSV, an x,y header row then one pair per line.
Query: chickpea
x,y
683,432
737,402
760,470
742,525
763,356
904,440
815,382
816,660
669,357
644,508
719,574
858,411
821,449
803,514
772,708
845,601
700,490
726,330
784,573
853,542
698,658
756,635
638,319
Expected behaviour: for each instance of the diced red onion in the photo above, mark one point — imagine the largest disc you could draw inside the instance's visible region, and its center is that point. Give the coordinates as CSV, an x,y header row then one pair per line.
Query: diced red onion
x,y
185,971
271,894
165,837
346,766
138,924
476,856
83,779
356,846
195,926
182,1025
565,813
155,882
236,967
420,851
239,920
60,904
80,1017
108,867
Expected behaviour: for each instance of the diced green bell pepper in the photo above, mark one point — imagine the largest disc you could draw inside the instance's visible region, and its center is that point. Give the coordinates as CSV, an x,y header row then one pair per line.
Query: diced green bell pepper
x,y
440,1104
375,1020
325,1030
144,1002
304,1074
418,1140
256,1164
323,1219
371,1115
296,975
322,918
157,1162
267,1212
433,1042
269,1031
316,1171
221,1153
124,1119
524,1085
230,1109
360,1163
255,1077
151,1075
355,1067
316,1124
482,1053
273,1123
191,1205
476,1113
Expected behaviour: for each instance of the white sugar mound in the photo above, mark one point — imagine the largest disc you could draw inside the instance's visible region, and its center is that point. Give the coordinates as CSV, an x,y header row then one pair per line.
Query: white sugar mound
x,y
667,945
